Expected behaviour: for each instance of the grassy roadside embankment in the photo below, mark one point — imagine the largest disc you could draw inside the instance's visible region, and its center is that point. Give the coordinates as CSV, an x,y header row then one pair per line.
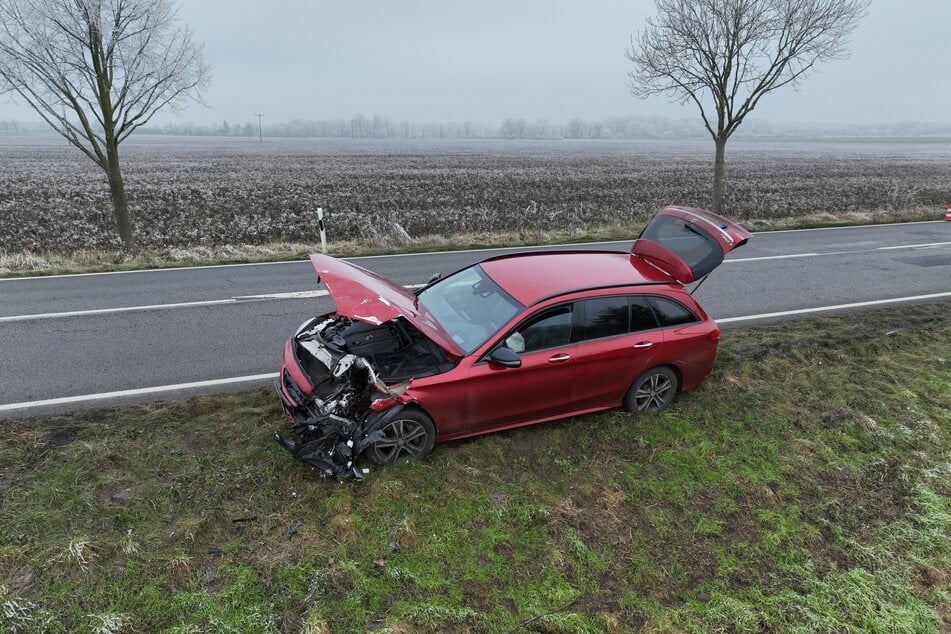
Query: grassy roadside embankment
x,y
22,264
806,486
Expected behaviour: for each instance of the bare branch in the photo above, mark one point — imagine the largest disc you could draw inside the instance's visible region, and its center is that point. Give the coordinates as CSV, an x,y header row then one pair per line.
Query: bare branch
x,y
725,55
111,63
95,70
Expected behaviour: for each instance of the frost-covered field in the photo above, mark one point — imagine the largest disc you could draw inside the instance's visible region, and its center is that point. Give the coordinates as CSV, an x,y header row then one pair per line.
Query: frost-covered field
x,y
188,191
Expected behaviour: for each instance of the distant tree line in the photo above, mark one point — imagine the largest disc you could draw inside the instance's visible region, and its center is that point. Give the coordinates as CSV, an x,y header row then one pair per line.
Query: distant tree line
x,y
357,127
617,127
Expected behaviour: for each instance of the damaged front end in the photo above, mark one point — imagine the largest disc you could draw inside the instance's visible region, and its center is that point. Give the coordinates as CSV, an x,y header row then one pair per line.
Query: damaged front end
x,y
333,387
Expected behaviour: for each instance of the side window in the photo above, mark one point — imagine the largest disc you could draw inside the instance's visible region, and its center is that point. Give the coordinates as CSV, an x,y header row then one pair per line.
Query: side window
x,y
550,329
671,313
605,317
642,317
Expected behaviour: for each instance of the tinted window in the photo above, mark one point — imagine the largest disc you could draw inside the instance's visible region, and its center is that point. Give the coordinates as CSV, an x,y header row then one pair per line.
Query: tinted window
x,y
671,313
550,329
605,317
699,250
642,317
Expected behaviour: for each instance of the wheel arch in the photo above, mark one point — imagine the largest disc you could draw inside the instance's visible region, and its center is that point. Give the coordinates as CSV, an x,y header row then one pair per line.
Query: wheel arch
x,y
676,370
394,411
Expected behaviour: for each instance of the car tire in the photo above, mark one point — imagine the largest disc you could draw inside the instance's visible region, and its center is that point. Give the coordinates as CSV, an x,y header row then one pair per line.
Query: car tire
x,y
410,435
651,392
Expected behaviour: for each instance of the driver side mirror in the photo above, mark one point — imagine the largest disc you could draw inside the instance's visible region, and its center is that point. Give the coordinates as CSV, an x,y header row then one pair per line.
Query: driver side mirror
x,y
506,357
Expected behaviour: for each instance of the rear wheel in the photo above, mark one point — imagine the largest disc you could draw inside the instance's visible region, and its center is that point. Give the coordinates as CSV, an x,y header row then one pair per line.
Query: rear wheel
x,y
652,391
409,436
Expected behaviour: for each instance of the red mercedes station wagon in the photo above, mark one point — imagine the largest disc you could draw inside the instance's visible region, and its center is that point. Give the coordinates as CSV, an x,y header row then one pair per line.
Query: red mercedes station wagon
x,y
513,340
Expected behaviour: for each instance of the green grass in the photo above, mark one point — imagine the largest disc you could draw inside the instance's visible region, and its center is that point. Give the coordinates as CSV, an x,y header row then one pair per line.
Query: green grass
x,y
806,486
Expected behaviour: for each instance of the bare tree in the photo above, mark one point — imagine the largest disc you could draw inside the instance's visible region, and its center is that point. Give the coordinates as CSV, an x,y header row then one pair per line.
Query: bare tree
x,y
725,55
96,70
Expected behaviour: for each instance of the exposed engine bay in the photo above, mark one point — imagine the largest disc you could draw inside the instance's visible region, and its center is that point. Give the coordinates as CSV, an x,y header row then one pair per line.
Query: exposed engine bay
x,y
358,374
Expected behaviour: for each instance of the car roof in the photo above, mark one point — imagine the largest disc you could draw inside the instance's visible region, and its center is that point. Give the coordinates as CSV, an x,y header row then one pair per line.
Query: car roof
x,y
532,277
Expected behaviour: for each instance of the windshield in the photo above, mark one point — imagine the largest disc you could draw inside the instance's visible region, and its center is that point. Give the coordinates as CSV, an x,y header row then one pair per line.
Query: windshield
x,y
469,306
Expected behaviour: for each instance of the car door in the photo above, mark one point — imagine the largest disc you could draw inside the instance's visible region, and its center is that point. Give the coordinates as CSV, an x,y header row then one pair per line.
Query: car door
x,y
688,243
687,339
619,340
540,387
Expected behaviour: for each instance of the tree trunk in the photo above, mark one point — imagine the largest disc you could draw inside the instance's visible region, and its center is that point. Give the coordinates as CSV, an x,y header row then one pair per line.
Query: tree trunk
x,y
117,189
719,169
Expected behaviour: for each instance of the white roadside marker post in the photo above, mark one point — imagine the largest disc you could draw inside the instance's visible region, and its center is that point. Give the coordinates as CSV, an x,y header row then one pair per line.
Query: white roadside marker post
x,y
323,231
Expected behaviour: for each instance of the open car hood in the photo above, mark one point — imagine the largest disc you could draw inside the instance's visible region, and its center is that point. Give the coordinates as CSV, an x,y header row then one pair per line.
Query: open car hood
x,y
687,243
365,296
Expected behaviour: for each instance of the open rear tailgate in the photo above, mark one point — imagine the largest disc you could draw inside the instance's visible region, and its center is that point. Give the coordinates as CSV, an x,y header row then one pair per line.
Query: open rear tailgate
x,y
688,243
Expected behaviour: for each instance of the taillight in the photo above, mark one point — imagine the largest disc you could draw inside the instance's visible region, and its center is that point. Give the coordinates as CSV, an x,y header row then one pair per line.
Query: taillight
x,y
715,335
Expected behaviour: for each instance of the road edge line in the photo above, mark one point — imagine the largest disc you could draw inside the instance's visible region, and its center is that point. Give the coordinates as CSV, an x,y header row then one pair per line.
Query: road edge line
x,y
820,309
9,407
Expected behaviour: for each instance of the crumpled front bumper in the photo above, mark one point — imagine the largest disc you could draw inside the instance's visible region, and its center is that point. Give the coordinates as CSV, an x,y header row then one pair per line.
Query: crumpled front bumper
x,y
330,444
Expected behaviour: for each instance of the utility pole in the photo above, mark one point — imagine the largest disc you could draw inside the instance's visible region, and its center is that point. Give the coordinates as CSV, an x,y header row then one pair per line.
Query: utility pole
x,y
260,135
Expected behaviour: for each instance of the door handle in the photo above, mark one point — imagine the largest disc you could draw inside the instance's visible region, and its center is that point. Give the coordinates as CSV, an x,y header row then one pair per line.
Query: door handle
x,y
559,358
643,344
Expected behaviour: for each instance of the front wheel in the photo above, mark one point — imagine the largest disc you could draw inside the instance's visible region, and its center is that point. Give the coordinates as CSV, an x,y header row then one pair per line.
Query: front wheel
x,y
652,391
409,436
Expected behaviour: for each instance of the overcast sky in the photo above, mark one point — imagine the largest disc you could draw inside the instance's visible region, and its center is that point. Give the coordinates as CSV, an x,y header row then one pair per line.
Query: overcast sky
x,y
485,60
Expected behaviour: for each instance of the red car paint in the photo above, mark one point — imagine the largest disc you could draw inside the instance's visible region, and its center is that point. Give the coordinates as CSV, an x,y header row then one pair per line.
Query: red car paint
x,y
479,396
365,296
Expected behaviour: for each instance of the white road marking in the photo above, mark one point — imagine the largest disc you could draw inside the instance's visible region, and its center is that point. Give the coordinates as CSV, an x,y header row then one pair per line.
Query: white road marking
x,y
924,245
106,396
323,293
915,246
123,309
401,255
136,392
820,309
302,294
210,302
293,295
776,257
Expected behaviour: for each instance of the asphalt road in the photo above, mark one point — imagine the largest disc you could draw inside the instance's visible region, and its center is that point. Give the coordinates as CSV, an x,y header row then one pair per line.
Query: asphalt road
x,y
83,335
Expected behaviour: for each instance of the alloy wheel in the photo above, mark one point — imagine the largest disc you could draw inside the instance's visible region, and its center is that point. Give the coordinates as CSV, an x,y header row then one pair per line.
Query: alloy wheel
x,y
403,439
654,394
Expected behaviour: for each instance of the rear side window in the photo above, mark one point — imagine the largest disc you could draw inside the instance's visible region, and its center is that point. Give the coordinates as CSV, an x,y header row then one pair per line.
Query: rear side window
x,y
671,313
606,317
642,317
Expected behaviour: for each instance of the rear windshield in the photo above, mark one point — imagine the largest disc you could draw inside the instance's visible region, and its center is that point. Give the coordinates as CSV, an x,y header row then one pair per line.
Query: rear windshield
x,y
696,248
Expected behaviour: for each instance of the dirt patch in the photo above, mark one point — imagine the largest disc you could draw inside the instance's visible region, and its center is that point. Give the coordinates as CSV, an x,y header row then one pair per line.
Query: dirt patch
x,y
196,444
113,494
213,581
59,437
6,483
23,581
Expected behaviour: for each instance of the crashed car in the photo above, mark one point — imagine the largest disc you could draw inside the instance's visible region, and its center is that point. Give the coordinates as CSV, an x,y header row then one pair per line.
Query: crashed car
x,y
513,340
